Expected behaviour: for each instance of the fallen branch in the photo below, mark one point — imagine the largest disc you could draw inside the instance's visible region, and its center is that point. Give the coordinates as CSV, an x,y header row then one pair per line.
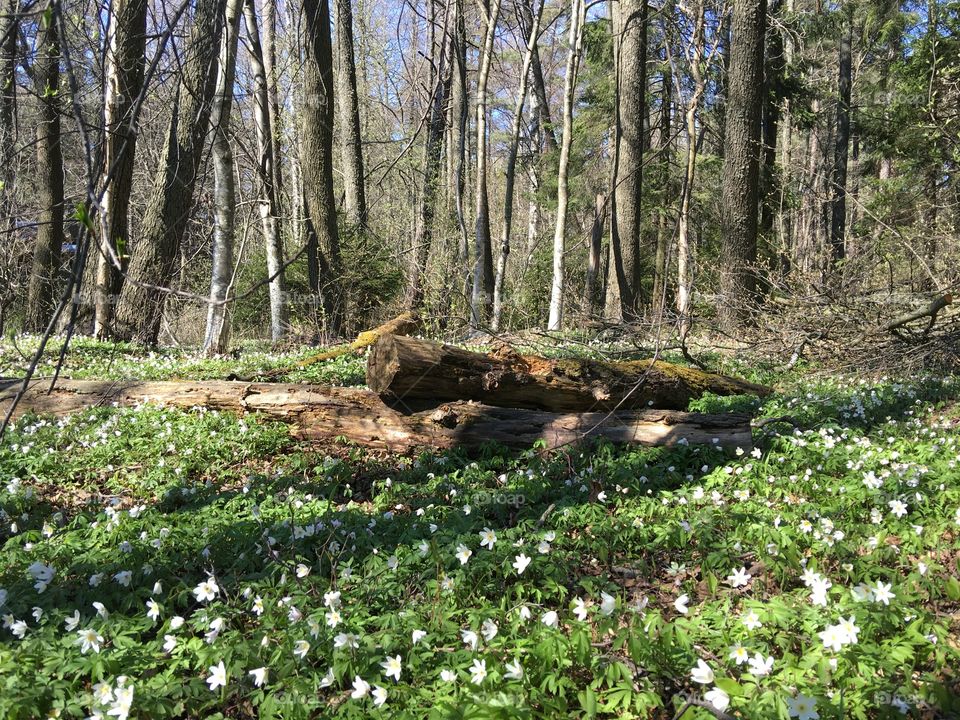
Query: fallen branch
x,y
931,312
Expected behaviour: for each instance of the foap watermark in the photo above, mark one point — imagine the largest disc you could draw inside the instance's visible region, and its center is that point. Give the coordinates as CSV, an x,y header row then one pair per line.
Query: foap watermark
x,y
481,498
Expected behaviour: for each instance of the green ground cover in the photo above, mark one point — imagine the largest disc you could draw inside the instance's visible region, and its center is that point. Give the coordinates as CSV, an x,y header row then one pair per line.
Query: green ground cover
x,y
158,563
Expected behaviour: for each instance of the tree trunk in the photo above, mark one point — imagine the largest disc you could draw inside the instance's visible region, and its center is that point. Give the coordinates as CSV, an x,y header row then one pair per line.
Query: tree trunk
x,y
351,149
544,119
167,213
841,148
269,15
461,109
482,296
217,339
594,259
321,413
268,202
513,149
577,10
9,29
316,164
124,82
50,238
773,77
404,369
685,253
432,157
630,61
741,162
784,212
664,225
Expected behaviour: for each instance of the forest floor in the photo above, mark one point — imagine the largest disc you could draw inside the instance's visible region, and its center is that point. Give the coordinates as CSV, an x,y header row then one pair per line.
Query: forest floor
x,y
160,563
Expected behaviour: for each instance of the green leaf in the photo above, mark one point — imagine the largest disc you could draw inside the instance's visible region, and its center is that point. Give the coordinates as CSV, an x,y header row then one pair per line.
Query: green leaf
x,y
588,701
730,686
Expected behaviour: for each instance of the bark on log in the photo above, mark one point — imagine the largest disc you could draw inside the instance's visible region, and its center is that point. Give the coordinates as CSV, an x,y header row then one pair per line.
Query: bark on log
x,y
318,412
405,369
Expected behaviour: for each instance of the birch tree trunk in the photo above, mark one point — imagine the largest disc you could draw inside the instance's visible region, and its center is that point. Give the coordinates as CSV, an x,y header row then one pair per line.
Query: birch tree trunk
x,y
217,337
155,254
513,148
555,320
482,297
269,201
696,54
49,239
351,149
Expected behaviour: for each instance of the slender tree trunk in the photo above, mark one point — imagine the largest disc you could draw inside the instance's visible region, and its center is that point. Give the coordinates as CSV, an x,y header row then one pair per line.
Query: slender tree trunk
x,y
810,234
685,250
685,253
841,148
595,259
124,82
664,225
49,240
351,149
268,203
774,71
461,109
217,339
540,101
784,213
741,164
316,164
423,233
9,28
513,148
269,15
482,297
630,61
157,250
555,321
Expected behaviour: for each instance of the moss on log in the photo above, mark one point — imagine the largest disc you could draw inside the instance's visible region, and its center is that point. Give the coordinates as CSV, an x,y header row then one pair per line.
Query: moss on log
x,y
404,370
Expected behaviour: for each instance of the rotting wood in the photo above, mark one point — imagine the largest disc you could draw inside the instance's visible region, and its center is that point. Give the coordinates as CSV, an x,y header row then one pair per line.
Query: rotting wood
x,y
404,370
323,413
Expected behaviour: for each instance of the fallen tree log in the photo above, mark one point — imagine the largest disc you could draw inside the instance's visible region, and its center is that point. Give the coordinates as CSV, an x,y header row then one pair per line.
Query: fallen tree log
x,y
318,412
404,369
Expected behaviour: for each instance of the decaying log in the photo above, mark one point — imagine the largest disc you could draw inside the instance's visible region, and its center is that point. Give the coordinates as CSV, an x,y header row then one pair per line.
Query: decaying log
x,y
318,412
404,369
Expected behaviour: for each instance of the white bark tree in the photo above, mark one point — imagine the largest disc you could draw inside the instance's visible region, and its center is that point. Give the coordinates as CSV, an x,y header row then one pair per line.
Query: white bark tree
x,y
224,191
555,321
